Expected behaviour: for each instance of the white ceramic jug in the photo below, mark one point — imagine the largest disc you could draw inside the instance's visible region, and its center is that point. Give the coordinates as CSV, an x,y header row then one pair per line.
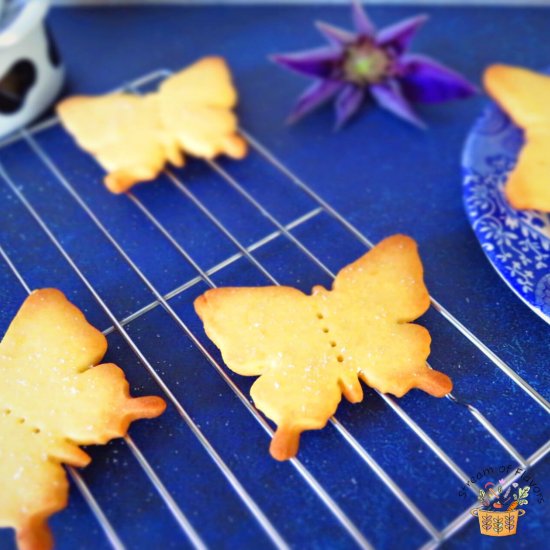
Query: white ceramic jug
x,y
31,73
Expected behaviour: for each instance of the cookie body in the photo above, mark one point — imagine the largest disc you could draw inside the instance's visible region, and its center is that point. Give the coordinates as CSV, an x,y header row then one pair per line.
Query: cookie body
x,y
525,96
308,350
133,137
53,398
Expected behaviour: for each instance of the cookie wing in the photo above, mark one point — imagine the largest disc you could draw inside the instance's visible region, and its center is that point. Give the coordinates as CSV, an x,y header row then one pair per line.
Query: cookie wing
x,y
124,133
389,277
249,325
274,332
524,94
52,399
195,109
521,93
528,185
369,312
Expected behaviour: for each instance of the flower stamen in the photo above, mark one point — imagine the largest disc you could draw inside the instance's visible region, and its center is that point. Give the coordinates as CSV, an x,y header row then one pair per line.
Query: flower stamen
x,y
364,64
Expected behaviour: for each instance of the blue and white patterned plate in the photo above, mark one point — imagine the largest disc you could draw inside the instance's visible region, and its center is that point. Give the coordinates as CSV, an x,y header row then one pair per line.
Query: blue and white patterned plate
x,y
516,242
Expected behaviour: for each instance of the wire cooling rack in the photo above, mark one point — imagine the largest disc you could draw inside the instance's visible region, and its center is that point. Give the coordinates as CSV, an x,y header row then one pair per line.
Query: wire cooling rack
x,y
247,258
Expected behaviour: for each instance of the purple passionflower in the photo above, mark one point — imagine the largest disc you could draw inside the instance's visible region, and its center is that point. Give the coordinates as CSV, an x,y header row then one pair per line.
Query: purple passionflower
x,y
375,64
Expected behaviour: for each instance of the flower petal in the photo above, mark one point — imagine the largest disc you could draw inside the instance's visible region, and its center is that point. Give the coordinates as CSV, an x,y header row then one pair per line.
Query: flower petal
x,y
319,62
314,96
363,25
347,103
335,35
400,35
428,81
389,97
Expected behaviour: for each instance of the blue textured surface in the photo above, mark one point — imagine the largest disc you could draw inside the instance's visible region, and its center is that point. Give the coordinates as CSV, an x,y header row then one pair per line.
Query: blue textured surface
x,y
382,175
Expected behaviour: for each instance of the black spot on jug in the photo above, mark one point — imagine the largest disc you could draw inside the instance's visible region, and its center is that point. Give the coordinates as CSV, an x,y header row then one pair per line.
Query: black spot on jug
x,y
53,52
15,85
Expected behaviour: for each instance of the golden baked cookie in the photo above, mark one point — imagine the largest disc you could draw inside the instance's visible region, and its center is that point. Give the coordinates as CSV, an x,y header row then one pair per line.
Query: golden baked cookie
x,y
310,349
525,96
52,400
133,137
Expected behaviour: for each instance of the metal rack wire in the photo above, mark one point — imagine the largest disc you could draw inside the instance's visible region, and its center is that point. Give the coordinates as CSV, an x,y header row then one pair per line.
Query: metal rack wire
x,y
280,230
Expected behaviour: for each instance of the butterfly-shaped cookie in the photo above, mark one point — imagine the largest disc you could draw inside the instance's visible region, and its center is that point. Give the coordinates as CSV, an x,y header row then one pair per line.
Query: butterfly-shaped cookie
x,y
309,350
52,400
525,96
133,136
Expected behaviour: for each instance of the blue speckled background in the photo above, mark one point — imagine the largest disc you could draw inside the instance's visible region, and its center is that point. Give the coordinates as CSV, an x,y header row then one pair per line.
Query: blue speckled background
x,y
382,175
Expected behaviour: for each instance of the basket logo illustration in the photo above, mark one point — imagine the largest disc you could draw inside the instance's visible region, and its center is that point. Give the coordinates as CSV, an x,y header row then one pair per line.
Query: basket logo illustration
x,y
500,511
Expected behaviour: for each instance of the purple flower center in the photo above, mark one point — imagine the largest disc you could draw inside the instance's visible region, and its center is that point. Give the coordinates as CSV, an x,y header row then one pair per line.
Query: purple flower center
x,y
365,63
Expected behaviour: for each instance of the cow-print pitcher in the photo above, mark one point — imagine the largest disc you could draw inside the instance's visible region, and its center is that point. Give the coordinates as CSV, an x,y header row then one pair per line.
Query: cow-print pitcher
x,y
31,74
